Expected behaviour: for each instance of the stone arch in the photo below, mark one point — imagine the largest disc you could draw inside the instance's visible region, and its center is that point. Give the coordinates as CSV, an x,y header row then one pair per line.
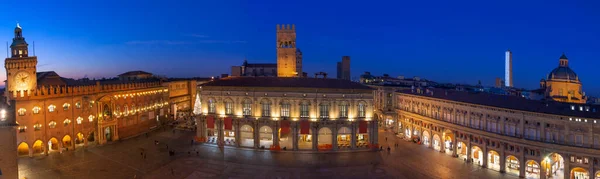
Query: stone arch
x,y
79,139
91,137
493,160
597,175
23,149
265,136
38,147
53,144
448,139
247,136
426,138
512,165
436,142
532,169
477,155
325,136
66,141
578,172
344,137
554,163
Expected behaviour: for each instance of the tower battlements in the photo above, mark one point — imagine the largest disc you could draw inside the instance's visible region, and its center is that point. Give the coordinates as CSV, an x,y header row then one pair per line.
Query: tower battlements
x,y
61,91
286,28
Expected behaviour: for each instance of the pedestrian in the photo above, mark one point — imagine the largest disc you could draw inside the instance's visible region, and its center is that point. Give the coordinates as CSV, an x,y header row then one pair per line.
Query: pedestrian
x,y
388,149
380,148
192,142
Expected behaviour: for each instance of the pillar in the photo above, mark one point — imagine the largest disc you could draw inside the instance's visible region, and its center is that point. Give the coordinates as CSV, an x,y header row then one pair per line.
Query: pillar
x,y
334,138
442,144
484,160
315,138
30,150
256,135
375,133
543,170
469,151
295,136
567,167
502,158
522,163
276,134
220,132
591,167
454,145
238,137
353,135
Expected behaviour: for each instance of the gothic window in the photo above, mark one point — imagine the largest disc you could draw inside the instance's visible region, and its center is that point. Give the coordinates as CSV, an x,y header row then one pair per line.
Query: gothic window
x,y
324,110
133,111
78,105
36,110
52,124
247,108
22,111
66,106
126,109
91,118
285,110
22,128
118,111
51,108
37,127
66,122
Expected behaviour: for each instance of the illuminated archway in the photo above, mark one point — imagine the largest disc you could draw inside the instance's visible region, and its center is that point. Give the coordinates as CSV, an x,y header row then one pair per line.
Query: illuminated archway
x,y
305,140
325,138
580,173
23,149
52,144
493,160
66,141
38,147
265,135
512,165
532,169
448,144
247,136
79,139
436,142
553,164
477,155
597,175
344,138
425,138
462,150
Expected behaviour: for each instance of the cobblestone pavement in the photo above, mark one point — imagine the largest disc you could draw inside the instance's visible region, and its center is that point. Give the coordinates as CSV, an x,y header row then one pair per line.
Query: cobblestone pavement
x,y
124,160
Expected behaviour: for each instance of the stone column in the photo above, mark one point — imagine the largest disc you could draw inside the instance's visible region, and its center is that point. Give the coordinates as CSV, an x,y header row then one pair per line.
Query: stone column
x,y
567,167
502,158
276,134
220,130
543,170
375,133
295,136
256,135
238,137
522,163
454,145
442,143
353,135
469,151
315,138
484,160
334,138
591,167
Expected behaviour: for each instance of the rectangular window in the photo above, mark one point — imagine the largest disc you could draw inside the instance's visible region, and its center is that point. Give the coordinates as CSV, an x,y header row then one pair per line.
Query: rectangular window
x,y
343,111
228,108
212,107
247,109
323,111
304,110
266,110
579,140
361,110
285,110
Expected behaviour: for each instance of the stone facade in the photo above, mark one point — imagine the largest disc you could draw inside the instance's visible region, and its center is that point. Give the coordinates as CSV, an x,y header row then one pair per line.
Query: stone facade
x,y
524,143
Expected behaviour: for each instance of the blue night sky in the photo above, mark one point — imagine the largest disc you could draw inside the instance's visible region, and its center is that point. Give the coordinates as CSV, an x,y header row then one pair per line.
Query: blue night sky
x,y
440,40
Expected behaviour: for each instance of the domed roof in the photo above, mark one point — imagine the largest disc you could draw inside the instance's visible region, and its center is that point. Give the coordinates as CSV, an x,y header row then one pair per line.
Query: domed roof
x,y
563,73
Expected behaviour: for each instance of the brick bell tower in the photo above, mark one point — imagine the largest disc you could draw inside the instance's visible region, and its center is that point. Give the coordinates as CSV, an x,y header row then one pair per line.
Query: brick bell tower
x,y
20,67
289,58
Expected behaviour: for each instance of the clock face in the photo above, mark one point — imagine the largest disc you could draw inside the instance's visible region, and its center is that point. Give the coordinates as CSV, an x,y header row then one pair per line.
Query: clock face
x,y
22,79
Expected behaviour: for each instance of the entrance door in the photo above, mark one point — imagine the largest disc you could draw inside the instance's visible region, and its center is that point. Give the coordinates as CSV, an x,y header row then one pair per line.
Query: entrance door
x,y
108,134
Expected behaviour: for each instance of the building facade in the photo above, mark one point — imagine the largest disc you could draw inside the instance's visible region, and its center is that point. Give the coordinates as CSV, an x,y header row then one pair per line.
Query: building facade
x,y
289,58
55,113
527,138
287,114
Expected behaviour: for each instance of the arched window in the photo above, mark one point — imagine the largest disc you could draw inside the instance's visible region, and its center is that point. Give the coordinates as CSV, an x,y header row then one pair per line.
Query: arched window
x,y
343,109
247,107
22,111
52,124
79,119
67,122
118,111
285,109
324,110
36,110
304,109
266,109
51,108
78,105
126,110
133,111
37,127
66,106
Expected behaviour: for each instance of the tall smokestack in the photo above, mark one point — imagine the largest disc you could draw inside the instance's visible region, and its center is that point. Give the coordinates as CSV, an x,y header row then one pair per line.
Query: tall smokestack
x,y
508,78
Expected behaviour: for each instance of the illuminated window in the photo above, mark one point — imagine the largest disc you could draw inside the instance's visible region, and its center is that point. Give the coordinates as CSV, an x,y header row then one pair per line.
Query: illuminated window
x,y
36,110
79,119
66,106
212,106
361,109
22,128
266,109
126,110
91,118
304,110
133,111
51,108
78,105
52,125
22,111
37,127
285,110
343,110
247,108
324,110
118,111
67,122
228,107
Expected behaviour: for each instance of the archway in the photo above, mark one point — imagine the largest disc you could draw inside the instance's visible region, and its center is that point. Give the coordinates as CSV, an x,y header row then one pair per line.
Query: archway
x,y
532,169
23,149
79,140
493,160
477,155
512,165
437,145
66,140
448,138
108,134
52,144
228,134
580,173
407,132
38,147
344,138
462,150
425,138
304,140
265,135
247,136
325,139
597,175
91,137
553,164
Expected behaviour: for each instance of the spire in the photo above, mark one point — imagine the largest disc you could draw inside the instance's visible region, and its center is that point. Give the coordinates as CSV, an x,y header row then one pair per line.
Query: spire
x,y
563,56
563,61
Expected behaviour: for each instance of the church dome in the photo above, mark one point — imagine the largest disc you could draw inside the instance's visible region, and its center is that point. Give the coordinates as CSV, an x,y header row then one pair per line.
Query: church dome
x,y
563,72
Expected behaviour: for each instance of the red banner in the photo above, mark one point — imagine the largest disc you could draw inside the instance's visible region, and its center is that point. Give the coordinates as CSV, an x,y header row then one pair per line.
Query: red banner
x,y
285,127
210,122
362,127
227,123
304,127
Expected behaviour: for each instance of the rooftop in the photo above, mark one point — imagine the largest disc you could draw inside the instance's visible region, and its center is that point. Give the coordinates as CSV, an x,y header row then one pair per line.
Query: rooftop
x,y
51,78
512,102
291,82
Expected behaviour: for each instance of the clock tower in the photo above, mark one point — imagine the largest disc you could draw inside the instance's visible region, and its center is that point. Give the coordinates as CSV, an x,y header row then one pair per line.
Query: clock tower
x,y
20,67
